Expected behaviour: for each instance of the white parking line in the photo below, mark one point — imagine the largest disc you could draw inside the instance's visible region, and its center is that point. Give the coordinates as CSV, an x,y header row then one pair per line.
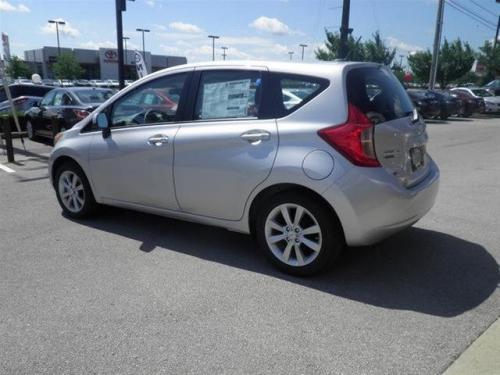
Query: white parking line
x,y
6,169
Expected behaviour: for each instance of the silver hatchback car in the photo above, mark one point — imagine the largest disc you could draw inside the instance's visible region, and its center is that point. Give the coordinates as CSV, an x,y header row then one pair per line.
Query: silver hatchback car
x,y
343,163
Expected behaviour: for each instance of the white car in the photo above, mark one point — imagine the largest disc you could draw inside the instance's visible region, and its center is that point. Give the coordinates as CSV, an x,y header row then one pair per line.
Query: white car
x,y
290,99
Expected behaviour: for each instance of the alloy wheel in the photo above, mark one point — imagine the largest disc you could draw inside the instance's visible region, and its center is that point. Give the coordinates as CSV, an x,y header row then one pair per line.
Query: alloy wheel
x,y
71,191
293,234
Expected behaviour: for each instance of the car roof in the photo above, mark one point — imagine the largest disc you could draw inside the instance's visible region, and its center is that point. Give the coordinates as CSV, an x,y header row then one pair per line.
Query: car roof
x,y
84,88
317,68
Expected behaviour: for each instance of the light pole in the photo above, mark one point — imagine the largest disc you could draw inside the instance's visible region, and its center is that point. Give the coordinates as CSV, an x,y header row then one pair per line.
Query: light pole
x,y
143,45
344,30
291,54
224,53
125,38
437,44
57,32
401,61
303,46
213,37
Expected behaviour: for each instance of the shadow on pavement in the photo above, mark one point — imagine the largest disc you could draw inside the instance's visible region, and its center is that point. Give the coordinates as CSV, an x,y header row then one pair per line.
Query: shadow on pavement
x,y
419,270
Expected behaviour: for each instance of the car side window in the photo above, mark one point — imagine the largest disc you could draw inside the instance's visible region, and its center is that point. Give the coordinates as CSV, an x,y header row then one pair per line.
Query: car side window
x,y
228,94
291,91
297,90
153,102
47,99
59,98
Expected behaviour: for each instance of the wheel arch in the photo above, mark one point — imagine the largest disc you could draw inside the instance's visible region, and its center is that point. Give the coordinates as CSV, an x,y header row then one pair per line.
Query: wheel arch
x,y
60,161
270,191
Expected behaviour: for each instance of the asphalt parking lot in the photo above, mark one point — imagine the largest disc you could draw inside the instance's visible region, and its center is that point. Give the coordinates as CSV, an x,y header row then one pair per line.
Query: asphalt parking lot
x,y
129,293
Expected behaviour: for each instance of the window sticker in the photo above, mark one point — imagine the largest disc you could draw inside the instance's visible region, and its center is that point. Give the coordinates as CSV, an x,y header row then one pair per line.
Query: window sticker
x,y
225,99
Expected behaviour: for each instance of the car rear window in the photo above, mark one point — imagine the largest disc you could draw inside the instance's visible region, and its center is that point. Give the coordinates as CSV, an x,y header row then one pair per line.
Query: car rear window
x,y
93,96
378,94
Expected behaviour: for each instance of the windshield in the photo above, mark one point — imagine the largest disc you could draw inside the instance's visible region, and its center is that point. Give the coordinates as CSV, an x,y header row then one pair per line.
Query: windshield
x,y
93,96
481,92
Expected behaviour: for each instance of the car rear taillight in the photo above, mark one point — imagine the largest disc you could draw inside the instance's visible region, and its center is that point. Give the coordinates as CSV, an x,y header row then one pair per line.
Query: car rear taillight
x,y
80,113
354,139
19,101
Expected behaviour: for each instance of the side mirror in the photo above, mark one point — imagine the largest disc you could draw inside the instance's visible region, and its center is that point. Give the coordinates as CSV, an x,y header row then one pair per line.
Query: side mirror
x,y
102,123
36,104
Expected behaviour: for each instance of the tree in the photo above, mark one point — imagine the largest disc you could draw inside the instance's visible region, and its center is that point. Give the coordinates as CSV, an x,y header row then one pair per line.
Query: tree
x,y
455,60
377,51
420,64
17,68
373,50
67,67
490,58
332,46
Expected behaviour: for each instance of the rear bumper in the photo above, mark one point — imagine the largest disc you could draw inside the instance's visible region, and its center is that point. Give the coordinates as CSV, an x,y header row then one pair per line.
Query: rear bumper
x,y
372,204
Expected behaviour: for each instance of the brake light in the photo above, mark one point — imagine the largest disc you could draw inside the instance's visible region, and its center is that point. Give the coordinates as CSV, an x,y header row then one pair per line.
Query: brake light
x,y
80,113
354,139
21,100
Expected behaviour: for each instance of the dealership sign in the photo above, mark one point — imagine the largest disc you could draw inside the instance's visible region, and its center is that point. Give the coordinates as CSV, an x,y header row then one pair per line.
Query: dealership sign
x,y
140,65
110,56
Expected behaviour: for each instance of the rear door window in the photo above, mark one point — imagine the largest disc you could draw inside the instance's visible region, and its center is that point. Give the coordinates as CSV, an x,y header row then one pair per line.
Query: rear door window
x,y
228,94
378,94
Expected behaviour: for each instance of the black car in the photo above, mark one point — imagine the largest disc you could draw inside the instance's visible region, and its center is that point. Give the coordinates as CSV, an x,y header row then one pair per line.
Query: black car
x,y
427,105
62,108
449,104
24,97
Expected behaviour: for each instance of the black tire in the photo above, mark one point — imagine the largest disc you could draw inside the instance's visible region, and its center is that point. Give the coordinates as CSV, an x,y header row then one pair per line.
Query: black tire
x,y
29,129
444,117
332,237
89,205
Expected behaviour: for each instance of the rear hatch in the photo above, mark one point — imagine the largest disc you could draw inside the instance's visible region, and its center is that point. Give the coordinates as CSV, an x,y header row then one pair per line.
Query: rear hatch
x,y
399,135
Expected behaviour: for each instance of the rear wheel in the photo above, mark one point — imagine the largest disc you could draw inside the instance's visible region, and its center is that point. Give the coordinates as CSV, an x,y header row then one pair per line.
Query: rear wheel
x,y
298,234
73,191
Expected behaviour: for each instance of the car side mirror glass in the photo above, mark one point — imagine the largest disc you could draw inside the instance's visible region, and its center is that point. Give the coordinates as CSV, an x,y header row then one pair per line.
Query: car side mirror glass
x,y
102,121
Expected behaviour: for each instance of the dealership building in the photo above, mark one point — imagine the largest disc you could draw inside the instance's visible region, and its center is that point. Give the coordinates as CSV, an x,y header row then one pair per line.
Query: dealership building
x,y
97,64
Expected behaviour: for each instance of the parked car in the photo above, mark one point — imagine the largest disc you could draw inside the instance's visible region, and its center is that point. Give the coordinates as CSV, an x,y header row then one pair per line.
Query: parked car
x,y
448,104
426,103
474,103
97,83
337,168
24,97
82,83
63,108
491,102
290,99
493,87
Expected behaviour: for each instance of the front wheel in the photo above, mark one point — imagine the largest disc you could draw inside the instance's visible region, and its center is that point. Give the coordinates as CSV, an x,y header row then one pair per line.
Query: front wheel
x,y
73,191
298,234
30,130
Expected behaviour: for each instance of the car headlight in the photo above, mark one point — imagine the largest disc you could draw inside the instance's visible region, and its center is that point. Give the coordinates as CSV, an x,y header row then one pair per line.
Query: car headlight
x,y
58,137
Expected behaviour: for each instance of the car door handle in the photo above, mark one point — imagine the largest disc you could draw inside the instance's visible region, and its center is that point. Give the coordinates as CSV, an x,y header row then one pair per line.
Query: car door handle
x,y
256,136
158,140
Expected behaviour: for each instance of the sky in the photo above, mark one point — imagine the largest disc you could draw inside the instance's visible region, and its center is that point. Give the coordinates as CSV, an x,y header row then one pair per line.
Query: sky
x,y
251,29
